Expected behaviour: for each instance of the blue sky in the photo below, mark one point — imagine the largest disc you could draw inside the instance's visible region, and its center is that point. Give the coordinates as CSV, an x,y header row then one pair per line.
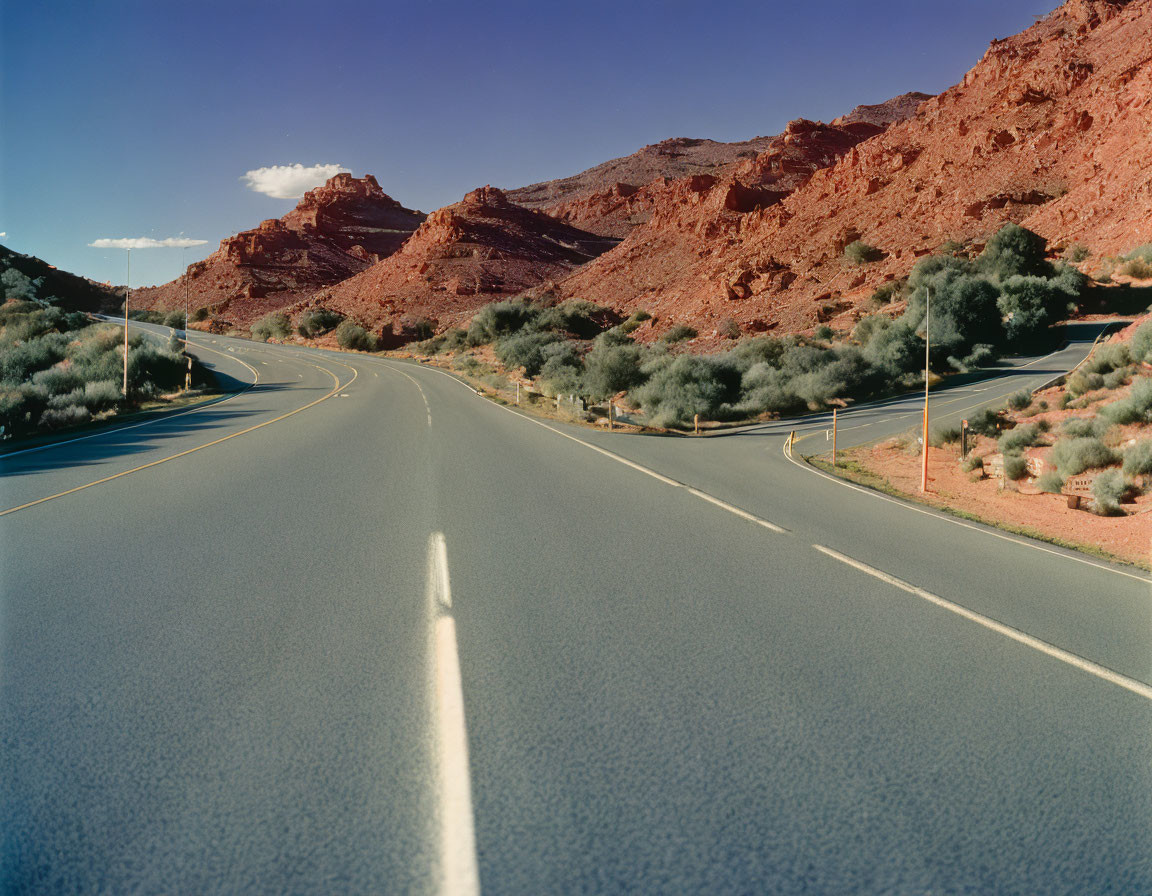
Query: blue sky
x,y
121,118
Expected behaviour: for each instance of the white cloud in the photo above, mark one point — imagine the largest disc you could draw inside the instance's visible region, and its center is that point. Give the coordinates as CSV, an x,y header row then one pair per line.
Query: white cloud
x,y
3,233
146,242
289,181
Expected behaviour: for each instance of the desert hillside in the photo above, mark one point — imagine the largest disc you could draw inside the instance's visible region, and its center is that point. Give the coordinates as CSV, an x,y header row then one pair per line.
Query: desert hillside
x,y
1051,129
336,231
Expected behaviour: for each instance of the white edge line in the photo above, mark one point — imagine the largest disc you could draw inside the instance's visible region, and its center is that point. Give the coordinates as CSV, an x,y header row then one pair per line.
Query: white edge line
x,y
943,517
743,514
458,864
1130,684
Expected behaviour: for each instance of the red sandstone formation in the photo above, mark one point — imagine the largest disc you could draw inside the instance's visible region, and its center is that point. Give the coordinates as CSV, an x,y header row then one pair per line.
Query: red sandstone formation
x,y
595,202
336,230
1051,129
463,256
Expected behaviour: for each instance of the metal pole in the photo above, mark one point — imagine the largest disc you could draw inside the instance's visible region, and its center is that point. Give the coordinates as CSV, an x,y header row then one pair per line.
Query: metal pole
x,y
927,343
833,437
184,263
127,293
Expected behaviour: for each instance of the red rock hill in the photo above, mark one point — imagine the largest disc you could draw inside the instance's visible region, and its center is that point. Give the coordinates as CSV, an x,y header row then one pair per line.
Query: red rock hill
x,y
1051,129
335,231
463,256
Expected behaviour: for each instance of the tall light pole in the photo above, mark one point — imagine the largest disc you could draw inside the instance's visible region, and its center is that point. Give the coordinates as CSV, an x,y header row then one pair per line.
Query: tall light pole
x,y
127,293
184,264
927,344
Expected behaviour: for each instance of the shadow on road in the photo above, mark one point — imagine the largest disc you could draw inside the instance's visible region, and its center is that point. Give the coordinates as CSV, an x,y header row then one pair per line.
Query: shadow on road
x,y
87,449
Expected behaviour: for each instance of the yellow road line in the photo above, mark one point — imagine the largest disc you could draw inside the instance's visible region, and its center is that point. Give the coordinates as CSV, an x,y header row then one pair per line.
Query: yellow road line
x,y
162,460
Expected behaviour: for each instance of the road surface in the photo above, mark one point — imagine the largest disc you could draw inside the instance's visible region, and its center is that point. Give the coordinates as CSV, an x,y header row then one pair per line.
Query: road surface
x,y
356,629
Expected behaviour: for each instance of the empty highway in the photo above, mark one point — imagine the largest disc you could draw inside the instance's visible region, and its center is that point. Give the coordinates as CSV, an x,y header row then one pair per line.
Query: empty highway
x,y
356,629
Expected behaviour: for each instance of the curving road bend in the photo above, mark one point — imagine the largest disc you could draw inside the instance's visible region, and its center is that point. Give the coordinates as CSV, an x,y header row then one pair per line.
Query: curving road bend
x,y
356,629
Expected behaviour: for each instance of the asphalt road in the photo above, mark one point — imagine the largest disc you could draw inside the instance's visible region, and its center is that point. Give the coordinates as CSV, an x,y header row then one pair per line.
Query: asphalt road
x,y
356,629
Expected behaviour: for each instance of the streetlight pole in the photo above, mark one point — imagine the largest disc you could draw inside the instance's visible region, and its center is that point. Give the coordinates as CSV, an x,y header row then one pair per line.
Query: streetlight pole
x,y
927,344
127,293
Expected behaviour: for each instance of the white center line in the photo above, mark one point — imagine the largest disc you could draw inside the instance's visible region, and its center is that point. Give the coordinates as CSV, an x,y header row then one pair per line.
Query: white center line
x,y
458,872
1102,672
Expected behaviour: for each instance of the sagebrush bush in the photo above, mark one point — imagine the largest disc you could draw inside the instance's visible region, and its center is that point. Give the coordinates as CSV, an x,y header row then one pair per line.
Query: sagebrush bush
x,y
1136,407
500,319
1138,263
1016,440
944,435
525,349
70,415
1108,357
690,385
859,252
985,423
972,463
1051,482
1138,458
678,333
353,337
1109,488
1072,456
1140,348
1015,467
274,325
318,321
612,367
1020,400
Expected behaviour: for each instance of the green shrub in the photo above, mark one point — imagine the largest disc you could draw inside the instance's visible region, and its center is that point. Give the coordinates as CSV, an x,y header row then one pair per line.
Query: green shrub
x,y
1016,440
500,319
690,385
1109,488
200,314
1014,251
1051,482
318,321
1020,400
274,325
1138,458
1077,253
1136,407
824,333
58,418
1108,357
883,295
944,435
1015,467
859,252
612,367
985,423
353,337
1140,348
1138,263
578,318
678,333
101,395
1072,456
972,463
1115,379
175,319
525,349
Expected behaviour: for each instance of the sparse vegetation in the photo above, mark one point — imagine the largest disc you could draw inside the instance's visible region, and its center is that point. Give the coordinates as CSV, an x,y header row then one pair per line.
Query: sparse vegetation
x,y
353,337
1137,264
58,369
944,435
859,252
1072,456
318,321
1109,488
1020,400
678,333
1138,458
1015,467
1016,440
1136,407
274,325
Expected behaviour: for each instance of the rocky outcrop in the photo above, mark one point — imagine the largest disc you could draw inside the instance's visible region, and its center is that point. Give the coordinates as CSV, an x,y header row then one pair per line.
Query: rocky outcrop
x,y
1051,129
779,163
463,256
336,231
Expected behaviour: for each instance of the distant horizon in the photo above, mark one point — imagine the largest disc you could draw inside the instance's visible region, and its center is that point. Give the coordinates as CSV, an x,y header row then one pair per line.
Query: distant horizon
x,y
195,123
